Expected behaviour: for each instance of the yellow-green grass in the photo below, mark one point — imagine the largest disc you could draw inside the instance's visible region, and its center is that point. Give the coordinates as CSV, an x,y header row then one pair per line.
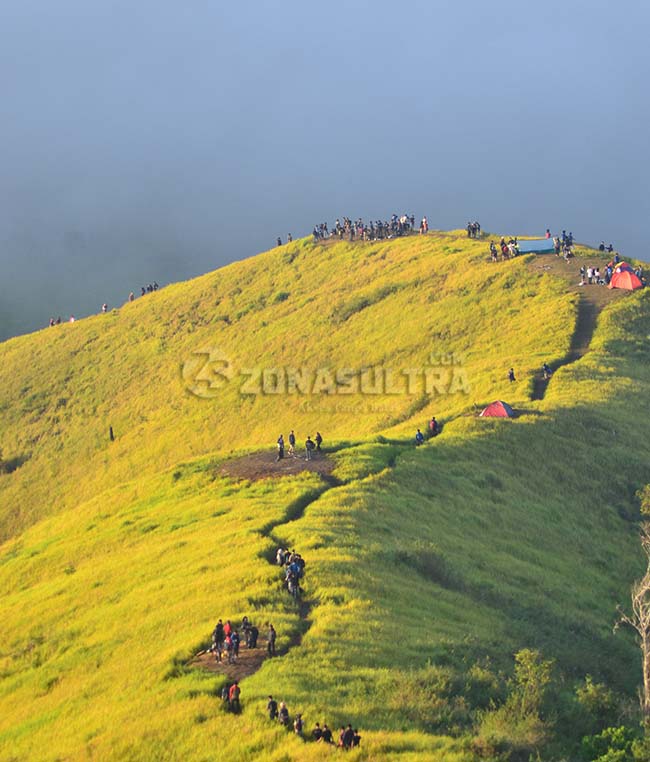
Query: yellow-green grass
x,y
426,568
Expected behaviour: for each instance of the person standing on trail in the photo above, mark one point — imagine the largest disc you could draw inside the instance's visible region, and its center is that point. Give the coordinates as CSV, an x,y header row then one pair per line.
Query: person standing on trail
x,y
245,628
229,649
292,443
227,628
317,733
235,640
433,427
511,375
309,447
272,708
297,725
280,448
279,241
270,640
319,441
326,736
283,714
419,438
217,639
253,634
280,556
233,697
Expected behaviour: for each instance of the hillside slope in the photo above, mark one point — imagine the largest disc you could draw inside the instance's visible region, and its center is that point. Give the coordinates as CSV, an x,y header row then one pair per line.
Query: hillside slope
x,y
427,568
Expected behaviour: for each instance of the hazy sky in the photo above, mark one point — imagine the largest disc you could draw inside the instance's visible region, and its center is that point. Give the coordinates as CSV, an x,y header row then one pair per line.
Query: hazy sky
x,y
151,139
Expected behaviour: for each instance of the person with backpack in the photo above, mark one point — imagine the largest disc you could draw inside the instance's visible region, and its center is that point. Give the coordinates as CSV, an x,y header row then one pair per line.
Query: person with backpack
x,y
233,697
253,634
326,736
434,429
272,708
297,725
419,438
283,714
235,640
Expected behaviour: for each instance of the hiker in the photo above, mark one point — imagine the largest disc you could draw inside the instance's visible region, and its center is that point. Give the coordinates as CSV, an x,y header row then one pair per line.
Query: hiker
x,y
590,275
317,733
546,371
131,296
319,441
111,435
233,697
104,308
602,246
548,234
597,279
279,241
280,448
434,429
235,640
494,255
297,725
272,708
283,714
253,634
348,737
270,640
419,438
227,628
217,640
289,238
356,739
245,628
511,375
228,644
309,447
326,735
292,443
280,556
71,319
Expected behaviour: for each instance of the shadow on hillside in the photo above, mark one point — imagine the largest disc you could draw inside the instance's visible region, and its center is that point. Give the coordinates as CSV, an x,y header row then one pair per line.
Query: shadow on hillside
x,y
12,464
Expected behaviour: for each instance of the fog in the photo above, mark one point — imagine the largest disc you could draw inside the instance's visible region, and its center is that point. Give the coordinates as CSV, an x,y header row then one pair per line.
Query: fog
x,y
150,141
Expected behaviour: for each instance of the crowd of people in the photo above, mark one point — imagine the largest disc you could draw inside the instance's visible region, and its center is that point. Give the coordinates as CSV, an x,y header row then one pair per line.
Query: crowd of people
x,y
592,276
508,250
473,230
312,446
348,737
294,569
226,639
375,230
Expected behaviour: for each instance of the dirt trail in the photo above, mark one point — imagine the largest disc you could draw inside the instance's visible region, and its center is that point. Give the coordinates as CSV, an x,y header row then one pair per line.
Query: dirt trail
x,y
263,465
592,300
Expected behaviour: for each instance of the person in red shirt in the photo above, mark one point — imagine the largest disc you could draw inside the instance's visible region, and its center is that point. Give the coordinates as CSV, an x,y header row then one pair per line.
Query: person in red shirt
x,y
233,697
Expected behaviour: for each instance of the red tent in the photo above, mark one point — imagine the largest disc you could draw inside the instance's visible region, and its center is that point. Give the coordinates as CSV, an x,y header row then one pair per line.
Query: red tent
x,y
498,409
625,279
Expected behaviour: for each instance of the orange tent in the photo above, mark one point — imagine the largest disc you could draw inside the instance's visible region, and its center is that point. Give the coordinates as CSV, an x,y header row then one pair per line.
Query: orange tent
x,y
625,279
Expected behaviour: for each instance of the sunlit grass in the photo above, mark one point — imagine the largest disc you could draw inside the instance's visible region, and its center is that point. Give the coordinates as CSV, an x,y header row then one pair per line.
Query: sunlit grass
x,y
421,563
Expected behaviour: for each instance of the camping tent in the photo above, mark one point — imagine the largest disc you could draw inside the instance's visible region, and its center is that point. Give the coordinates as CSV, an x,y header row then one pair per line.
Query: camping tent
x,y
498,409
625,279
538,246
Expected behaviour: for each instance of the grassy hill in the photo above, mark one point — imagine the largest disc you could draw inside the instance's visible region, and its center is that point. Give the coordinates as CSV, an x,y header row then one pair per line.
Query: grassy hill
x,y
427,568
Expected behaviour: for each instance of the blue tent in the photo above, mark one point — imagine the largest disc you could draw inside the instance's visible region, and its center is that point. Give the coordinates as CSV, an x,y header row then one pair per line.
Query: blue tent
x,y
538,246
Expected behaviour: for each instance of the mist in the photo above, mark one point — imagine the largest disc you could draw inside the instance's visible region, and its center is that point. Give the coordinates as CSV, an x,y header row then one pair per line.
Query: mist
x,y
150,141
